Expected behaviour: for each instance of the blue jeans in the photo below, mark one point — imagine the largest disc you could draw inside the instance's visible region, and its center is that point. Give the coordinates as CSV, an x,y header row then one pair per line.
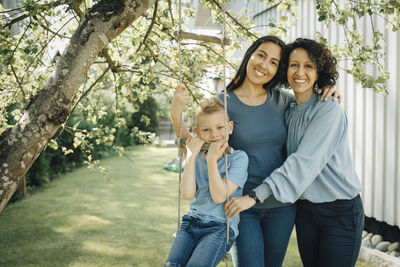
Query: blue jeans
x,y
263,237
329,234
199,243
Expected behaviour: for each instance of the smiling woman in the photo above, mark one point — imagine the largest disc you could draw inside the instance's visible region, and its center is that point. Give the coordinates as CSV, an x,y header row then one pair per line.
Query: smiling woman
x,y
308,65
263,64
302,74
318,174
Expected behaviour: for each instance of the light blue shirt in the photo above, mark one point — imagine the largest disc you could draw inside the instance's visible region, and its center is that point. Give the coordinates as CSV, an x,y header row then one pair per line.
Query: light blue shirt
x,y
319,167
260,131
203,206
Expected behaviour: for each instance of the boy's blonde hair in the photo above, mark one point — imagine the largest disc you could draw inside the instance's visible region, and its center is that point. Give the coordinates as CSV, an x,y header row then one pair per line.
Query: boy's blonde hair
x,y
209,106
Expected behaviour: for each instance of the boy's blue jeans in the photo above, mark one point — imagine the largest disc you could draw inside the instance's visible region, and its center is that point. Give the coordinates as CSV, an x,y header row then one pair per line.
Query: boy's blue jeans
x,y
199,243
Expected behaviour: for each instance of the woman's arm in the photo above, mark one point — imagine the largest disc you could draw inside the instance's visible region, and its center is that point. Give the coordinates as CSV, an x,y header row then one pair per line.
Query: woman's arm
x,y
180,100
324,133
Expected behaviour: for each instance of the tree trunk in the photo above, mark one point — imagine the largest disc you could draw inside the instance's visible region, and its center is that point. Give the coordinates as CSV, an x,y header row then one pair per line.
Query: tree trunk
x,y
21,190
22,144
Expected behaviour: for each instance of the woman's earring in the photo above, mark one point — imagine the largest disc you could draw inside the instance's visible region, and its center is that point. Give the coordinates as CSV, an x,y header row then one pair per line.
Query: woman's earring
x,y
316,87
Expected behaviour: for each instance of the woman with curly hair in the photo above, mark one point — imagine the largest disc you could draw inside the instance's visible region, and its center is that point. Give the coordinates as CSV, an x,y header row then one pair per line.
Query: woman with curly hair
x,y
318,172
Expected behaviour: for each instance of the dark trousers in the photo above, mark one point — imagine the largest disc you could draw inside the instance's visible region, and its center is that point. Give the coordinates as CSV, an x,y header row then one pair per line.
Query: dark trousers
x,y
329,234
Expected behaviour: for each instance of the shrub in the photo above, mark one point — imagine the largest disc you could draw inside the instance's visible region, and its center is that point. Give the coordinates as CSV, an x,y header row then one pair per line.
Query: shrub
x,y
53,162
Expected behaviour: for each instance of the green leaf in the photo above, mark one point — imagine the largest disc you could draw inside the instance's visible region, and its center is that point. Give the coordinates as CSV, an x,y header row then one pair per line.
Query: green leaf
x,y
322,18
380,80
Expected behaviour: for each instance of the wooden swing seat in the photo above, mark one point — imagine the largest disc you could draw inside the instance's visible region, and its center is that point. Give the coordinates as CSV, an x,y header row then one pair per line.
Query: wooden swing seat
x,y
182,143
202,37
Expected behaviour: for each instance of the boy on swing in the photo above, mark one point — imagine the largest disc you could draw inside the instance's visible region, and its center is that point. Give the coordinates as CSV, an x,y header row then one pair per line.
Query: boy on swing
x,y
201,237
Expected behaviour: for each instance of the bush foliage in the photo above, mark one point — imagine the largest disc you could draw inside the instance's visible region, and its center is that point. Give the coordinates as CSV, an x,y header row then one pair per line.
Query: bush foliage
x,y
63,157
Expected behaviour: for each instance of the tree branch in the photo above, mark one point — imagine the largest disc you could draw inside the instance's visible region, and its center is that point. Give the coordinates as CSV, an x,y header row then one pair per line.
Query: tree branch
x,y
48,29
170,12
235,20
80,99
25,15
19,83
151,25
114,67
20,40
75,6
43,48
217,54
156,59
15,20
187,82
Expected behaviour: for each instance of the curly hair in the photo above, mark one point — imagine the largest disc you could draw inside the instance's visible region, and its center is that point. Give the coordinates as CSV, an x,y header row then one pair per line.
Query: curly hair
x,y
241,73
319,54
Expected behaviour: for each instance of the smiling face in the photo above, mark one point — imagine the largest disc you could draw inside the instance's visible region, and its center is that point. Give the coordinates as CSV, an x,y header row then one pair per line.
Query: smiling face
x,y
301,74
211,127
263,63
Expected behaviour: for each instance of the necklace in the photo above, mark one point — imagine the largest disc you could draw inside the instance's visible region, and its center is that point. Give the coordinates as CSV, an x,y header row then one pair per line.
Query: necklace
x,y
254,102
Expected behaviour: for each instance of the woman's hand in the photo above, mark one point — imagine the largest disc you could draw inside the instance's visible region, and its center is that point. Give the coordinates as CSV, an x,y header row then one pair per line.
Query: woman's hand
x,y
194,146
180,100
238,204
328,92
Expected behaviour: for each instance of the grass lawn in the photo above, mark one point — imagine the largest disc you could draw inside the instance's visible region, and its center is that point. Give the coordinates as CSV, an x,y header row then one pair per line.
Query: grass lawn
x,y
83,218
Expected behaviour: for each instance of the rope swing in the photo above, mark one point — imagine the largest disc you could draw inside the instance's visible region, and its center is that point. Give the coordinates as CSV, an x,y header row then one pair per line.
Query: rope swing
x,y
180,142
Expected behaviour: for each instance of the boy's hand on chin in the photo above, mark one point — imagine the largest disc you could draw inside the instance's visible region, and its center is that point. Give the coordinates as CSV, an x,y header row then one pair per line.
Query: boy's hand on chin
x,y
216,150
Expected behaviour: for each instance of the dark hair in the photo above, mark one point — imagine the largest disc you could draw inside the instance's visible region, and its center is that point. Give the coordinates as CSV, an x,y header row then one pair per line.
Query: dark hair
x,y
241,73
319,53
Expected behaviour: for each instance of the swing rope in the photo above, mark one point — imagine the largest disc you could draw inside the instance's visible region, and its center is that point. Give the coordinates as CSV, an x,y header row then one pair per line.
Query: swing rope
x,y
180,153
226,112
226,120
223,43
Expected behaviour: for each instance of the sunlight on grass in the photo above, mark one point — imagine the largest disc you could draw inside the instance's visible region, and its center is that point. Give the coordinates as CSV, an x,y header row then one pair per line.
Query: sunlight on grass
x,y
84,218
103,248
76,224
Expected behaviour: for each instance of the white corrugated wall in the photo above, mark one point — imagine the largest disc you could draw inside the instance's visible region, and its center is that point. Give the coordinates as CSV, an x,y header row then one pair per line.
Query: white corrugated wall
x,y
374,119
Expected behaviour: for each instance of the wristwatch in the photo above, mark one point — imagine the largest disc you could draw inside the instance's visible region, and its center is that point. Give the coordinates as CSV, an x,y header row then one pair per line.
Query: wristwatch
x,y
253,195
